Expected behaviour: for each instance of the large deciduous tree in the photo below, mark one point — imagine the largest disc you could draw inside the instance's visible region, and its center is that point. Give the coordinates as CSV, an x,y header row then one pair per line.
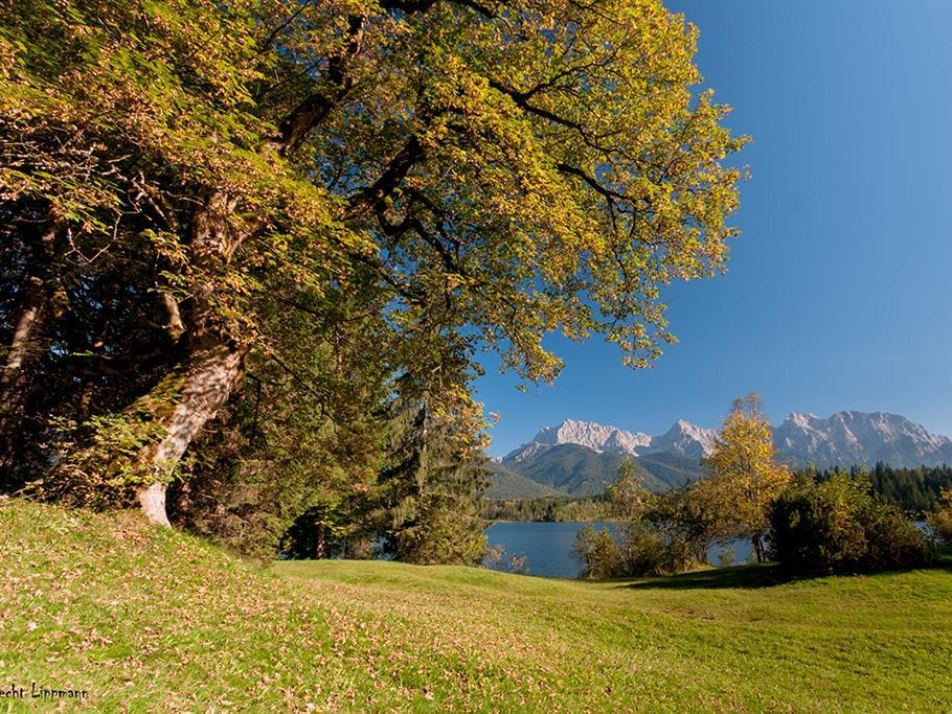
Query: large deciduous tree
x,y
172,168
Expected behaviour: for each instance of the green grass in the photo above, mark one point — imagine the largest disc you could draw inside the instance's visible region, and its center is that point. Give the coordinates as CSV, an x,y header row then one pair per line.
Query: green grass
x,y
153,620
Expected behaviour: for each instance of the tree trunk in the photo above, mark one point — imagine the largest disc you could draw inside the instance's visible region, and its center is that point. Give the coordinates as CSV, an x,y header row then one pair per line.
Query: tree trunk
x,y
152,502
320,549
214,371
30,314
13,380
758,548
215,359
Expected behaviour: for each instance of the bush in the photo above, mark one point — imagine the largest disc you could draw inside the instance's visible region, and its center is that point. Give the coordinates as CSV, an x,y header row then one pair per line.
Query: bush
x,y
893,543
941,524
940,520
663,533
644,551
599,553
839,527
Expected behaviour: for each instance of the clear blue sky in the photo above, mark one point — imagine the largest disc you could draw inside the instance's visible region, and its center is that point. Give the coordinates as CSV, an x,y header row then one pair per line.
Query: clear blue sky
x,y
839,293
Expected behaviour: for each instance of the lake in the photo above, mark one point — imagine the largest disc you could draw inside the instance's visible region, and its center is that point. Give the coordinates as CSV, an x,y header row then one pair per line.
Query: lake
x,y
547,548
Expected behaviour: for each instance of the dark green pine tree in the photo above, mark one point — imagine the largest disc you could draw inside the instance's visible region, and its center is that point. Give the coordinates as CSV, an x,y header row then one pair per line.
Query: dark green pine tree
x,y
430,491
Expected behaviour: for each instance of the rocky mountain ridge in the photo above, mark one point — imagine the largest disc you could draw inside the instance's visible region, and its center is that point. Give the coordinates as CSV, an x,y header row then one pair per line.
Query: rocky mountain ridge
x,y
845,439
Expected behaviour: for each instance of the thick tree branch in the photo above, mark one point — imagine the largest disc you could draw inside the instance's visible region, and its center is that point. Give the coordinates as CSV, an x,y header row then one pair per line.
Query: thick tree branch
x,y
416,225
374,196
174,327
315,108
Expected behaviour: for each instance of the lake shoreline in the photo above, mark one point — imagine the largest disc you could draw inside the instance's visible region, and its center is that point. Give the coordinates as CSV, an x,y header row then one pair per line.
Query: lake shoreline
x,y
545,548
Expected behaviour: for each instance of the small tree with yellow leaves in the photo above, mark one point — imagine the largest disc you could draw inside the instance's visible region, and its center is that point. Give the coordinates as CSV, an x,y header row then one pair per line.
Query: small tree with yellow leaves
x,y
744,477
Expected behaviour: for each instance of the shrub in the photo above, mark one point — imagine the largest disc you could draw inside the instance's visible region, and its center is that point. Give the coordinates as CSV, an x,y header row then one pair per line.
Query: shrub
x,y
839,527
663,533
644,551
940,520
893,543
599,553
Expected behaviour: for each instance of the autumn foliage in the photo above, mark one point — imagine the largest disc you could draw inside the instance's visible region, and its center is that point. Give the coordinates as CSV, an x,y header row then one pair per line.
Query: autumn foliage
x,y
191,190
744,477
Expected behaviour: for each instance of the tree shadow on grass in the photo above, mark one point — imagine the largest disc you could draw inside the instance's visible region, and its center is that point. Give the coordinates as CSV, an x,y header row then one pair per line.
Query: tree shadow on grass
x,y
744,576
763,575
943,560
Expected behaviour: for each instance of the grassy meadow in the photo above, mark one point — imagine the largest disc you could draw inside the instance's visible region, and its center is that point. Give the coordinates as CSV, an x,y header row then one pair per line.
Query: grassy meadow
x,y
147,619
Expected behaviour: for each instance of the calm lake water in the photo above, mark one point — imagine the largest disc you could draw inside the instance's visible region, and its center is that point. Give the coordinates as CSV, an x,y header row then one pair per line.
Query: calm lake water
x,y
547,547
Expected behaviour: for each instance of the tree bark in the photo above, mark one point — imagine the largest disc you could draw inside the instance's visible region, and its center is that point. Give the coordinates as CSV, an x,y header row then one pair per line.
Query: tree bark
x,y
214,371
30,315
152,502
759,548
14,379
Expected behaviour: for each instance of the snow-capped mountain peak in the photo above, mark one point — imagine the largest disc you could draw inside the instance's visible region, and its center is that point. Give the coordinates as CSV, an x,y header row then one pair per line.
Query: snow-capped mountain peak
x,y
597,437
850,437
683,438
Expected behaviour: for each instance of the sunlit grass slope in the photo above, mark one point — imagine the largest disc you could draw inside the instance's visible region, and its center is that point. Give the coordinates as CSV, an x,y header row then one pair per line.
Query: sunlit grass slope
x,y
152,620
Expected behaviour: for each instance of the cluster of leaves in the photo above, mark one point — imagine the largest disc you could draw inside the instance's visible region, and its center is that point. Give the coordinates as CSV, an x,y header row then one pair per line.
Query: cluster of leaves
x,y
838,526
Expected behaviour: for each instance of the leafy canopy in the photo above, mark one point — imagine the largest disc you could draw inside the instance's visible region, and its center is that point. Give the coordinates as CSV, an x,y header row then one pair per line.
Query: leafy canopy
x,y
519,167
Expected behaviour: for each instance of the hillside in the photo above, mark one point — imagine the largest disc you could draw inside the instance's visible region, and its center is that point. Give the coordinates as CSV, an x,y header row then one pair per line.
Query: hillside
x,y
580,471
147,619
574,469
671,469
504,483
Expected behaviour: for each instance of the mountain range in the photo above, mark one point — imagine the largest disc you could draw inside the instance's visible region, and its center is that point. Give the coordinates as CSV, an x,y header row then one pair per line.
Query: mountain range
x,y
684,438
582,458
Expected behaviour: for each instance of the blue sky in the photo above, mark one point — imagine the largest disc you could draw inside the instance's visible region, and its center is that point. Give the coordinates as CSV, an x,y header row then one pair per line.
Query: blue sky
x,y
839,291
